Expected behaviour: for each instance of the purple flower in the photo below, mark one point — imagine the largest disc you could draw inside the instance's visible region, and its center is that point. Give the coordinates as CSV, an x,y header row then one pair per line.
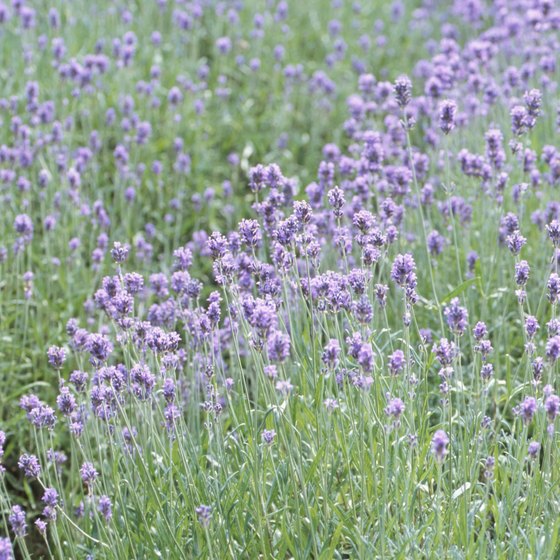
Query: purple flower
x,y
439,445
395,408
553,348
223,44
426,336
42,416
119,252
494,150
365,357
17,521
284,387
553,286
363,310
522,271
402,89
480,330
133,282
56,356
268,436
331,353
472,259
397,362
302,211
24,226
552,407
445,352
143,381
553,327
484,347
519,120
79,379
30,466
263,317
486,371
105,507
553,230
50,497
403,270
436,242
88,475
538,367
533,101
204,514
250,232
533,449
217,244
257,178
447,110
489,467
515,242
41,527
99,346
336,200
531,326
271,371
381,294
456,316
278,346
527,409
6,551
65,401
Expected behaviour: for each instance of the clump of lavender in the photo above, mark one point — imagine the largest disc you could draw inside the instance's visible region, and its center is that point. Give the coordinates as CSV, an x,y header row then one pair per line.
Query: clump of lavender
x,y
315,293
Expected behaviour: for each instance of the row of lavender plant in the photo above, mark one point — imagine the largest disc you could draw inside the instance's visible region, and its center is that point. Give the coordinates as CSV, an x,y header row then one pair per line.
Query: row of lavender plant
x,y
370,370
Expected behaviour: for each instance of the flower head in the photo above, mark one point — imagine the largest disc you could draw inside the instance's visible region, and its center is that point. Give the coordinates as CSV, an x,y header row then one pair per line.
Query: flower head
x,y
402,89
204,514
440,441
268,436
17,521
447,110
30,466
89,474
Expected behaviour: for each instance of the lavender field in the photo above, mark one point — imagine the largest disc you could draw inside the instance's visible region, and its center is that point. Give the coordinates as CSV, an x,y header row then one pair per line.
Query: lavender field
x,y
279,279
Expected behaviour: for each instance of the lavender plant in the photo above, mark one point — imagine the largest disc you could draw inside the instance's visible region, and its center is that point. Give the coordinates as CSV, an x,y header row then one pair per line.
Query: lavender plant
x,y
350,350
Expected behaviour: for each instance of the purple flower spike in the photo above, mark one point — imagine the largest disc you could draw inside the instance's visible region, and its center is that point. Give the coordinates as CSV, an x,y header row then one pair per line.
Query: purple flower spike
x,y
440,442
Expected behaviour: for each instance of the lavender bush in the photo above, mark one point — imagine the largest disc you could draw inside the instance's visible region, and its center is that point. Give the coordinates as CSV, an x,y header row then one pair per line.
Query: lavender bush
x,y
280,280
